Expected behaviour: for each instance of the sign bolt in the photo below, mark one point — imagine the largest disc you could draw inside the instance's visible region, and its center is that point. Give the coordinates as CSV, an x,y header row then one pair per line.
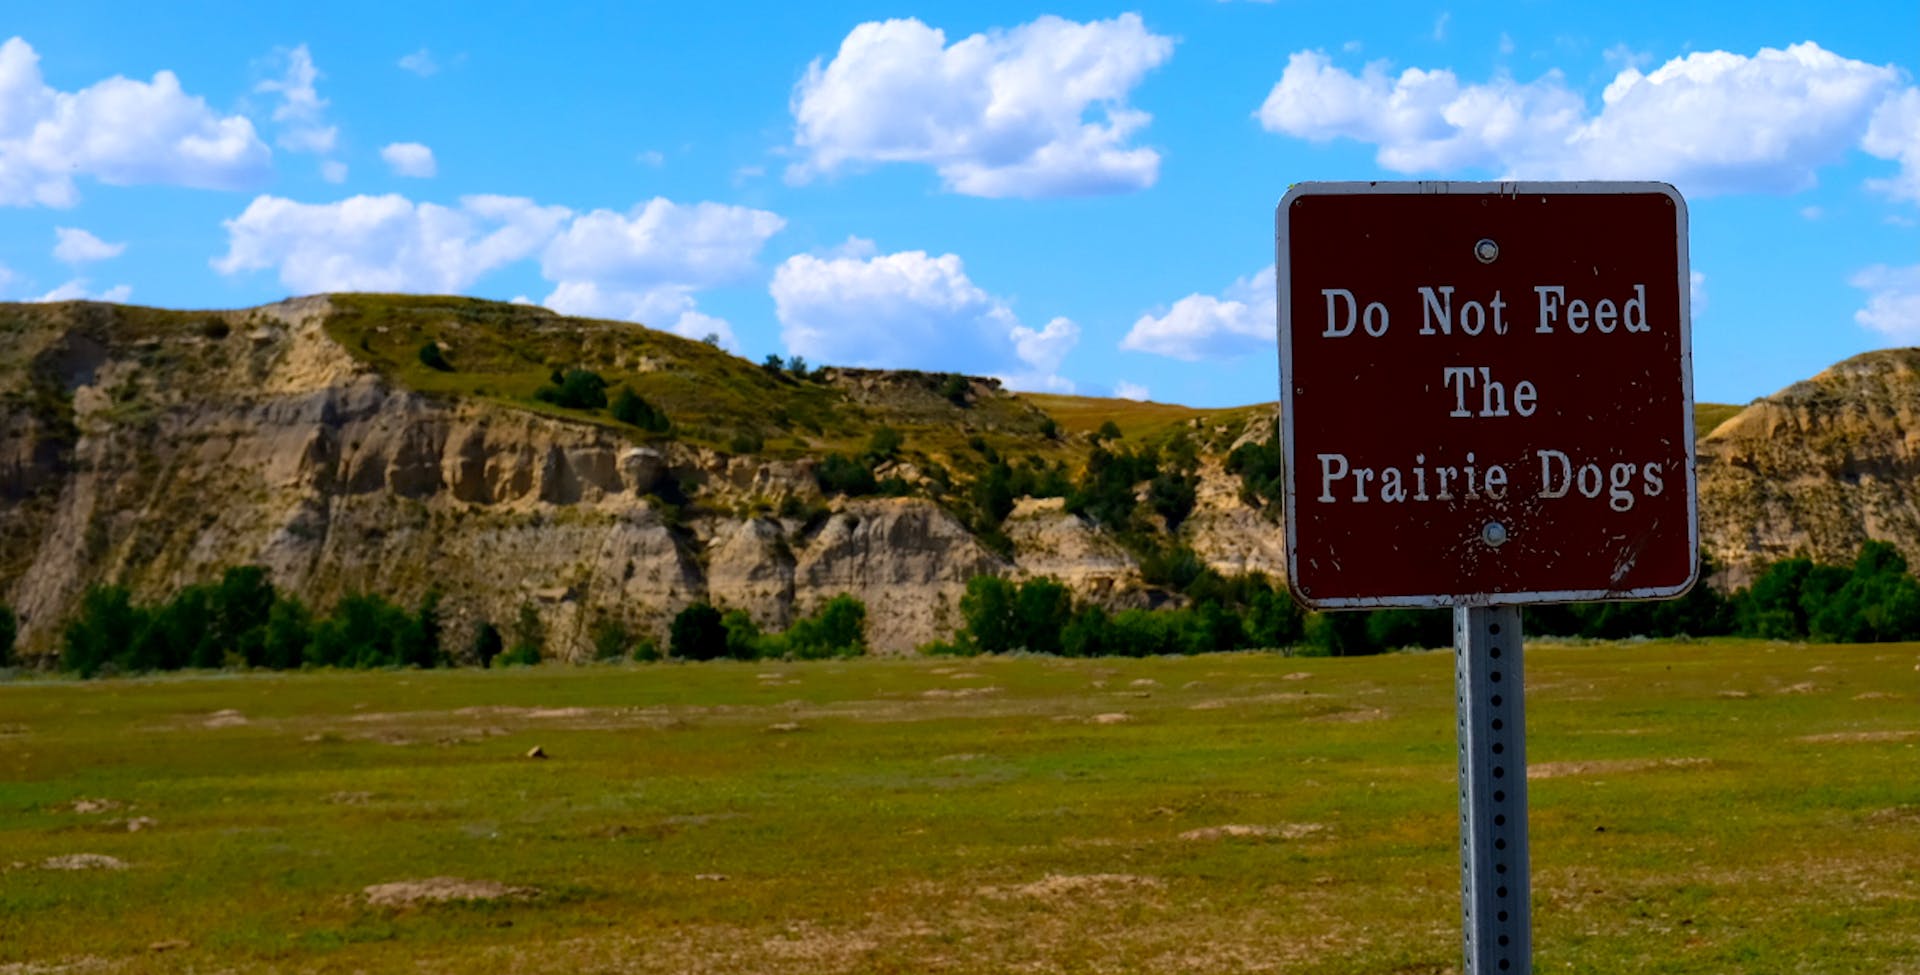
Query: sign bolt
x,y
1495,534
1487,251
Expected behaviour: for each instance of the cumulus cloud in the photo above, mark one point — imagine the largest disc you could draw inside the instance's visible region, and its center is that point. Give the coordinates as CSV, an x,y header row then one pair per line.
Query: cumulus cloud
x,y
1894,133
385,243
1241,319
1893,301
1712,122
912,310
301,109
1040,110
118,131
645,265
1132,391
410,159
75,246
76,290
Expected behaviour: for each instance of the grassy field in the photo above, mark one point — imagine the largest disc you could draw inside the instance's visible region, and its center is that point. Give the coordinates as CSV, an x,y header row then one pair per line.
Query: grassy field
x,y
1705,807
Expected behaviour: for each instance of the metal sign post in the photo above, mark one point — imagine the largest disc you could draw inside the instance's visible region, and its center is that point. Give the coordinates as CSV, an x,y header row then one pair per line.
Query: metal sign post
x,y
1495,896
1486,400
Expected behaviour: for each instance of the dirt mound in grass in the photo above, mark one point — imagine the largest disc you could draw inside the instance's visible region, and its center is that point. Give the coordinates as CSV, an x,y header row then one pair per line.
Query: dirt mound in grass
x,y
439,890
1615,766
1284,831
83,861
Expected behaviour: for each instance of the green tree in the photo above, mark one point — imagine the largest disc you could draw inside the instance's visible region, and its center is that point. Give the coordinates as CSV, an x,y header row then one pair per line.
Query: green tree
x,y
987,609
102,632
697,633
289,632
1042,608
487,644
836,629
240,606
630,409
529,637
743,635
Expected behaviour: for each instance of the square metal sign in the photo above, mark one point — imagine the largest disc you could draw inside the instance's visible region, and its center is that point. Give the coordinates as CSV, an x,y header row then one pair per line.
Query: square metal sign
x,y
1486,393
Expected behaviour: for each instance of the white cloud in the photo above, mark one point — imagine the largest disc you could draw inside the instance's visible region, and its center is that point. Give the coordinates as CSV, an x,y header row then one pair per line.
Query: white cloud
x,y
1132,391
645,265
76,290
1440,25
910,310
420,62
1893,301
75,246
410,159
333,171
118,131
1040,110
1812,213
385,243
1242,319
1696,293
651,157
1894,133
301,108
661,242
1712,122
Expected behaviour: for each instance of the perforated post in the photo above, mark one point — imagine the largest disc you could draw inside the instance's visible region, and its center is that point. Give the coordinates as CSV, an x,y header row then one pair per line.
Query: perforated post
x,y
1496,898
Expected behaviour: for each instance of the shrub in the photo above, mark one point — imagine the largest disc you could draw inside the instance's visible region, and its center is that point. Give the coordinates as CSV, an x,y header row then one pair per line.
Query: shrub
x,y
840,474
884,444
645,650
522,655
433,358
837,629
954,389
698,633
629,408
611,639
987,609
578,389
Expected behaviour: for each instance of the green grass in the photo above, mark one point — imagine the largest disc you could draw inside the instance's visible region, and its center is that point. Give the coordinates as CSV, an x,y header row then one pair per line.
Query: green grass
x,y
1707,417
1709,807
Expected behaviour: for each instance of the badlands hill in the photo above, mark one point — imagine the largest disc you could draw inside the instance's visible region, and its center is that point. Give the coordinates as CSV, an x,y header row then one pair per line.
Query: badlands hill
x,y
320,437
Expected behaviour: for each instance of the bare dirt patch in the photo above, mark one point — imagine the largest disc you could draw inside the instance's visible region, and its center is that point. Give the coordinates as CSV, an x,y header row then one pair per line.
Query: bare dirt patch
x,y
88,806
1058,885
1111,717
440,890
226,718
1283,831
83,861
1352,716
1851,737
1614,766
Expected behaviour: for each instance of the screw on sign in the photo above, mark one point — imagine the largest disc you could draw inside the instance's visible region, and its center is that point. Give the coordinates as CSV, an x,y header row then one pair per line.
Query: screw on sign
x,y
1486,400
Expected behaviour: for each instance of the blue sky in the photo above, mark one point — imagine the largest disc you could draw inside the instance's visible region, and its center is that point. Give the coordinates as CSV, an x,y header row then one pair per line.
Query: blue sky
x,y
1076,197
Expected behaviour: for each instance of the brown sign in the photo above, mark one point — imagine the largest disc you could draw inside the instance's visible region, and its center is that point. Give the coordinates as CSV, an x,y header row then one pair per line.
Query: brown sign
x,y
1486,393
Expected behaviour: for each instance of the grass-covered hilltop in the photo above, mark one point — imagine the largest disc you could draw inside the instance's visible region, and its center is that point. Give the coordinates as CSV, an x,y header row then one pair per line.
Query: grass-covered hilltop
x,y
508,481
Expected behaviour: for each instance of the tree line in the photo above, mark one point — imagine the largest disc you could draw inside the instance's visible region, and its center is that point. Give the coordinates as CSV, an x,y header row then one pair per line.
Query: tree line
x,y
242,620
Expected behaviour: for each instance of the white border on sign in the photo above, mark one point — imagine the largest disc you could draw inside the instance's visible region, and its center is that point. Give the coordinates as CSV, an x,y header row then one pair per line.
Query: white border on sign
x,y
1283,278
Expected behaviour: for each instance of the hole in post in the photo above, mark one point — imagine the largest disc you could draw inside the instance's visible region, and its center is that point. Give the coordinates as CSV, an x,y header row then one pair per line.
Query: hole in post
x,y
1499,772
1495,677
1496,700
1499,844
1503,941
1499,820
1498,724
1501,868
1502,915
1499,796
1500,891
1498,748
1493,628
1494,653
1505,964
